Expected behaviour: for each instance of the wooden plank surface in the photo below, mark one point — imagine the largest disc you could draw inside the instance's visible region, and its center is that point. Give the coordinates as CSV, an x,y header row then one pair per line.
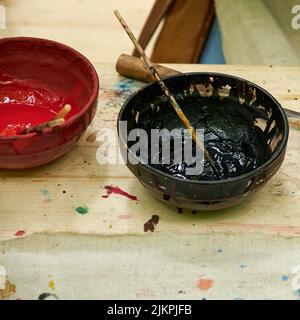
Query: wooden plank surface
x,y
88,26
45,199
215,265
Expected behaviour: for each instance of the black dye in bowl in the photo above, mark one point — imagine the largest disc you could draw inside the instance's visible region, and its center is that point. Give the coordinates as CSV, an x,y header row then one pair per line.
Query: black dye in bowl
x,y
236,145
245,132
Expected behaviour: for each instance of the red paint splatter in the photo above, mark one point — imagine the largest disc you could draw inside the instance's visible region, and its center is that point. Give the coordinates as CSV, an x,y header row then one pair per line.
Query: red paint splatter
x,y
124,216
150,224
205,284
116,190
20,233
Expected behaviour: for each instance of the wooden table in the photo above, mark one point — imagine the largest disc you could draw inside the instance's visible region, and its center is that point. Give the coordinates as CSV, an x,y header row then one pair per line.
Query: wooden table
x,y
60,235
88,26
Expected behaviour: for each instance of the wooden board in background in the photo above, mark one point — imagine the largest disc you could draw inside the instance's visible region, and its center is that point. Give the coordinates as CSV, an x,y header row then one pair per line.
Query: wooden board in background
x,y
88,26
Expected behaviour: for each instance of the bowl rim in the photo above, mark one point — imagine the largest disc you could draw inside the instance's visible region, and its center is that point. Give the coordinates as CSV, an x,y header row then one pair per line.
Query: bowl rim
x,y
75,53
250,174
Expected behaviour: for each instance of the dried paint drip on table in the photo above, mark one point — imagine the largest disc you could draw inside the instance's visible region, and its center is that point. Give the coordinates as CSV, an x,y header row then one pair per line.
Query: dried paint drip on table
x,y
125,86
120,92
8,291
20,233
205,284
118,191
151,223
82,210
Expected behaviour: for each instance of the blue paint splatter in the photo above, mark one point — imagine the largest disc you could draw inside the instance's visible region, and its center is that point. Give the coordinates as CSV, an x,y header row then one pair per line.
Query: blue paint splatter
x,y
285,278
46,194
125,85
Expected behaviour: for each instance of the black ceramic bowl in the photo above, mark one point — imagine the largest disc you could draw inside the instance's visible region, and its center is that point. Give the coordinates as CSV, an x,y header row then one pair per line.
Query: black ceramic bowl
x,y
202,194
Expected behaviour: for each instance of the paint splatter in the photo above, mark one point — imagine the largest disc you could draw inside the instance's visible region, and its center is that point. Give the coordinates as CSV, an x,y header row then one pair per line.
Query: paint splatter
x,y
125,85
46,194
124,216
150,224
51,283
285,278
82,210
108,94
10,290
92,137
297,292
48,296
205,284
116,190
20,233
141,294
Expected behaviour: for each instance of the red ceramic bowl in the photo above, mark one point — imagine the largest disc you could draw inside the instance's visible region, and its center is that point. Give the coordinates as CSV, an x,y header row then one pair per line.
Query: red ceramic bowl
x,y
61,69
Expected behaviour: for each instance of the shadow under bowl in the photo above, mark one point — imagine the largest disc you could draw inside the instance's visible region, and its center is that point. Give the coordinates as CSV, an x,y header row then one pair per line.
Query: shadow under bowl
x,y
266,118
64,71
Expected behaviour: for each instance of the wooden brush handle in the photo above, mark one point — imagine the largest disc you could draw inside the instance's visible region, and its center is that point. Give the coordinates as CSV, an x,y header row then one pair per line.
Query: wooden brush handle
x,y
43,126
133,67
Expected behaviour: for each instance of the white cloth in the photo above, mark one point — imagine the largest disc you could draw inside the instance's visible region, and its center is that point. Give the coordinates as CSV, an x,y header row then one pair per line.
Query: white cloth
x,y
259,31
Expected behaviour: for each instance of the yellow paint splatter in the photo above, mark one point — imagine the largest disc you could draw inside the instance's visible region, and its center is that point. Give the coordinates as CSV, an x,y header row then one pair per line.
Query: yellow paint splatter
x,y
51,284
10,290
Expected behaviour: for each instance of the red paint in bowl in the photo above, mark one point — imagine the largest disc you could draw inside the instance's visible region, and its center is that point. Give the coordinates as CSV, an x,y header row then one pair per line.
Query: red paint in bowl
x,y
37,78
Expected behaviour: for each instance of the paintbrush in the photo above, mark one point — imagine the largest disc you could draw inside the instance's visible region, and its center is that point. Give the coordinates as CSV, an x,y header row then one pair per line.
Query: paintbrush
x,y
63,112
56,122
43,126
166,91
